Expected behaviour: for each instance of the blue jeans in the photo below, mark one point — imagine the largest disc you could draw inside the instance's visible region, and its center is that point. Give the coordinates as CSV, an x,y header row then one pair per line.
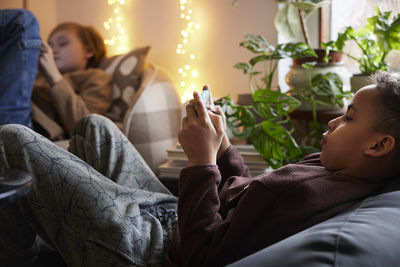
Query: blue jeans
x,y
19,55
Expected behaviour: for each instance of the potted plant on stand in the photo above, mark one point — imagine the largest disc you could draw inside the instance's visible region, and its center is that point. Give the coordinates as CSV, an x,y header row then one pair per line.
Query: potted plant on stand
x,y
375,40
291,22
273,135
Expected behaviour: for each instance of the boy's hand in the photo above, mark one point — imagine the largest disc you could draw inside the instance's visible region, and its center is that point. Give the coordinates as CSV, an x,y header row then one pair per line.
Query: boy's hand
x,y
48,66
225,140
217,110
202,133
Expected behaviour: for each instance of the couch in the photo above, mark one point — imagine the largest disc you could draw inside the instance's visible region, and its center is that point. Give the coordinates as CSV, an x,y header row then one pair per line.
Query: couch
x,y
145,104
366,235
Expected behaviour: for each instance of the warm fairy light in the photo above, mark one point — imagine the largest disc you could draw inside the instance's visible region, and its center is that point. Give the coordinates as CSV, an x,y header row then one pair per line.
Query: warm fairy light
x,y
188,73
117,43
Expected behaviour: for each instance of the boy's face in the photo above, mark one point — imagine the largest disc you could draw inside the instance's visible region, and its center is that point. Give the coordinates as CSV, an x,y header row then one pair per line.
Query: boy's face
x,y
350,135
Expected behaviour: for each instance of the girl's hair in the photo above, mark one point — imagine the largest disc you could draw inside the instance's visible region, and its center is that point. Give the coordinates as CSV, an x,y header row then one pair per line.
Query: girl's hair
x,y
389,105
89,37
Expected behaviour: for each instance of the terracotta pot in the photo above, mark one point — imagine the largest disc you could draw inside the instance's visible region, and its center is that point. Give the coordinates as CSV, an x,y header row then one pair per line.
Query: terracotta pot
x,y
334,57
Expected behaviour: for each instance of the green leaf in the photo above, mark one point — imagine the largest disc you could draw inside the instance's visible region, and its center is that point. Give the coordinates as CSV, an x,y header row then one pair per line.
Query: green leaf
x,y
287,21
296,50
273,105
309,65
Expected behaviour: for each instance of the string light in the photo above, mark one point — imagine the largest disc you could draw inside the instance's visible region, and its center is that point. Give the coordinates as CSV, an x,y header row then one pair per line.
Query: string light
x,y
118,42
188,72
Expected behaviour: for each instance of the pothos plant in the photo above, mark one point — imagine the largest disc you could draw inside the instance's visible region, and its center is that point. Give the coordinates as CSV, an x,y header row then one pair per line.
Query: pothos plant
x,y
379,36
292,17
273,135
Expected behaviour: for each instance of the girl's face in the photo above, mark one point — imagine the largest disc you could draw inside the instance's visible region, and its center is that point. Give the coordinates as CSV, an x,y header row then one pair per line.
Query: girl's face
x,y
70,54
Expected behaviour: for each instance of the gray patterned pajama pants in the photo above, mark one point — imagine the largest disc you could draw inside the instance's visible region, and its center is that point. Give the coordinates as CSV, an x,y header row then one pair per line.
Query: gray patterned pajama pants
x,y
99,205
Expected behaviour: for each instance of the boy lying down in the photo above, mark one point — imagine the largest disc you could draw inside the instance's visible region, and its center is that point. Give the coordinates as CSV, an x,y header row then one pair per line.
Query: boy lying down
x,y
100,205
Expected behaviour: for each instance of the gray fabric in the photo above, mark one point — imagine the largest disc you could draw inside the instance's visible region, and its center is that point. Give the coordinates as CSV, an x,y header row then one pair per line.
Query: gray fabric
x,y
366,235
105,208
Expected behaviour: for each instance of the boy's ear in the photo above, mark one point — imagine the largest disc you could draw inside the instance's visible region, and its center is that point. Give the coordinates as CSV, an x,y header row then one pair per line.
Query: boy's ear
x,y
381,146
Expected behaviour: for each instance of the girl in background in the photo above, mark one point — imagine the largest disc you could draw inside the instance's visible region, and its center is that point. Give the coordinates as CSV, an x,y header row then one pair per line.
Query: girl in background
x,y
69,85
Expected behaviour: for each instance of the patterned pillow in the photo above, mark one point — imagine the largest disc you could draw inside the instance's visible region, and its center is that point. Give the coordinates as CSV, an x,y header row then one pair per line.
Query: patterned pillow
x,y
126,71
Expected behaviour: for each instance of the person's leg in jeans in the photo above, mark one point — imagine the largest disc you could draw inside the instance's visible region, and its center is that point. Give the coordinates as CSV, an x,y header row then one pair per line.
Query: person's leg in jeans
x,y
19,54
89,219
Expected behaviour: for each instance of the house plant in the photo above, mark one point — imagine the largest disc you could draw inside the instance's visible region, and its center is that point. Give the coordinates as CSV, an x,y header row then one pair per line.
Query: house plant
x,y
375,40
274,135
291,19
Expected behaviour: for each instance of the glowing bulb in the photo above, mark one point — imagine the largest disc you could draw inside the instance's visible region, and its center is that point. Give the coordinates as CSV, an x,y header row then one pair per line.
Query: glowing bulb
x,y
178,51
188,72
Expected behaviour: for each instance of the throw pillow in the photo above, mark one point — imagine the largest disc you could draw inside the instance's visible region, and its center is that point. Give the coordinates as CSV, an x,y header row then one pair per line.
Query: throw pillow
x,y
126,71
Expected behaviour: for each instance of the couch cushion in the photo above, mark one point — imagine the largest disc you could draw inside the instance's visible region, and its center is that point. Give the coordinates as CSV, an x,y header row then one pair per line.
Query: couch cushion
x,y
154,117
366,235
126,70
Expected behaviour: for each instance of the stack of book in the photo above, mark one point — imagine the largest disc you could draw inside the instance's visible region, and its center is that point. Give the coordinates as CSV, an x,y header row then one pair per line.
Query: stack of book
x,y
177,160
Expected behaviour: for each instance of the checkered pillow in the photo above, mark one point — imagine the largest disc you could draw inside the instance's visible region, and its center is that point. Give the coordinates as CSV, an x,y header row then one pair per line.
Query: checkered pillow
x,y
126,71
154,117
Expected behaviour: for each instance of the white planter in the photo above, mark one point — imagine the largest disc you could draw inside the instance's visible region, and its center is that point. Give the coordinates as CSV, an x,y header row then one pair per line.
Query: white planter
x,y
358,81
298,76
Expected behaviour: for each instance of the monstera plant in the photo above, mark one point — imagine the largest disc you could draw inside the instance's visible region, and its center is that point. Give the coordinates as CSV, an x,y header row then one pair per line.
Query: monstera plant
x,y
266,123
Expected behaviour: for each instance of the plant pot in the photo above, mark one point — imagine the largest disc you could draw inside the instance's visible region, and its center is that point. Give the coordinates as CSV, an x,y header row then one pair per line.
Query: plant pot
x,y
334,57
299,76
359,80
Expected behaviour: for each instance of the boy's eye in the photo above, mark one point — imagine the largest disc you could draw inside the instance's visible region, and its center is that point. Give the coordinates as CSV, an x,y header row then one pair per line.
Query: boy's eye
x,y
347,118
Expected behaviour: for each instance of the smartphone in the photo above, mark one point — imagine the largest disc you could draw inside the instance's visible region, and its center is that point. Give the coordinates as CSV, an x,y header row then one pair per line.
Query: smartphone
x,y
205,96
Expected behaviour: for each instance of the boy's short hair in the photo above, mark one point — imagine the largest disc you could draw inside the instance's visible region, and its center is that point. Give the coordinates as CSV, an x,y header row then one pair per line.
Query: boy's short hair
x,y
389,105
90,37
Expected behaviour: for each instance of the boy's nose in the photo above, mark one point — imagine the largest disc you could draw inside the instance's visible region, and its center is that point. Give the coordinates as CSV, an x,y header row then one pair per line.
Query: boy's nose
x,y
332,124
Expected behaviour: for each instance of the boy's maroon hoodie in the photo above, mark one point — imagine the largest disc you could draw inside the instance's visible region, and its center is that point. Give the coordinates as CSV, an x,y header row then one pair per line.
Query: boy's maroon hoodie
x,y
224,214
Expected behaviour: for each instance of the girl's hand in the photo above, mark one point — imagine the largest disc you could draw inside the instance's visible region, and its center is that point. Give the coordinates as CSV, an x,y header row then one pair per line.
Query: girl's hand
x,y
48,66
201,134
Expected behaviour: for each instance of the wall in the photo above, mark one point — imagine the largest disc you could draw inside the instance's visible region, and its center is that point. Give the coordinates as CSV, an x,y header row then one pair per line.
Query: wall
x,y
157,23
